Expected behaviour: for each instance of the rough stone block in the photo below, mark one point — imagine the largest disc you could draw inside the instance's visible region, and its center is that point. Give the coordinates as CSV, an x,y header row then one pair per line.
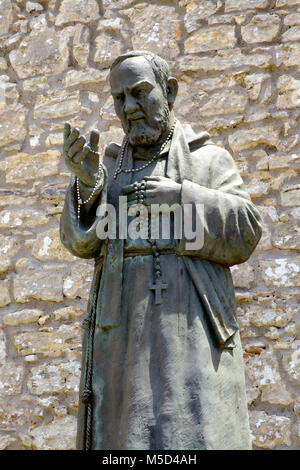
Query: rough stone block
x,y
261,28
24,167
41,53
209,39
77,10
268,431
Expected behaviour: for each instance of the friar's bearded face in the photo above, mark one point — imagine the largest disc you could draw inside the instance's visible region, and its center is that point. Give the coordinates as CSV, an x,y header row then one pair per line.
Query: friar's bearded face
x,y
140,102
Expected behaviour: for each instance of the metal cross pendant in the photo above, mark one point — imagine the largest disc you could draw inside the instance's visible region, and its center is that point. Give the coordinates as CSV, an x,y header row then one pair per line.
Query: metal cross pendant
x,y
158,287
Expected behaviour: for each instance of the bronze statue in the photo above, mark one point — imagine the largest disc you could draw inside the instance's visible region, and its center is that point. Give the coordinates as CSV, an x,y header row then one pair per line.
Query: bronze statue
x,y
162,363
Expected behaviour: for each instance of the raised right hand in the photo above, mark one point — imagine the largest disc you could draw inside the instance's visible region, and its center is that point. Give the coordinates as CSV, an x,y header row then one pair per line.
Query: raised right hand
x,y
78,156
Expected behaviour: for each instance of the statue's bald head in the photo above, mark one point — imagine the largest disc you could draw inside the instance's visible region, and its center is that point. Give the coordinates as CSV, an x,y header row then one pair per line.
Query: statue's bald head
x,y
159,66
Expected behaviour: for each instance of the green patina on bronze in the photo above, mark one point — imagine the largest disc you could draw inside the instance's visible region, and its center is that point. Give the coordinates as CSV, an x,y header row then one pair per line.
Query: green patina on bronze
x,y
164,373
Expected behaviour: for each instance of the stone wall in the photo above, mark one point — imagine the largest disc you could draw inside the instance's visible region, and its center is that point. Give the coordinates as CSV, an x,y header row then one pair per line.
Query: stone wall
x,y
237,64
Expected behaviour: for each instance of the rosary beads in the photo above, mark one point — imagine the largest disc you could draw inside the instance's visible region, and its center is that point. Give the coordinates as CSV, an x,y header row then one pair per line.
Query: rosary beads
x,y
135,170
98,185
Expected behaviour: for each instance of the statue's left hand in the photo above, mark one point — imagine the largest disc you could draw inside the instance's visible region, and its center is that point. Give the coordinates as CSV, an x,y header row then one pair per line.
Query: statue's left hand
x,y
158,190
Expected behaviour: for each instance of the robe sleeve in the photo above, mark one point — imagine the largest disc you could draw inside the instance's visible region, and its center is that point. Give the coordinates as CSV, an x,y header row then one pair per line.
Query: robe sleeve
x,y
79,236
230,222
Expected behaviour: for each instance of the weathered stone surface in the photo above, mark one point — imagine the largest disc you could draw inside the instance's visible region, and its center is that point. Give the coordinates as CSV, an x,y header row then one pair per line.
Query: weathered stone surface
x,y
42,52
277,394
54,343
292,19
291,364
77,284
48,247
6,16
261,28
24,167
209,39
81,45
286,3
257,188
22,317
290,196
80,77
12,415
268,431
288,92
57,104
34,7
276,162
22,218
292,34
197,11
107,111
224,102
108,48
254,84
41,285
11,378
6,441
113,4
262,369
16,197
9,246
287,55
54,378
34,84
4,293
3,63
8,92
67,313
2,347
250,138
59,434
267,314
242,275
13,124
281,272
236,5
225,59
155,29
286,237
84,11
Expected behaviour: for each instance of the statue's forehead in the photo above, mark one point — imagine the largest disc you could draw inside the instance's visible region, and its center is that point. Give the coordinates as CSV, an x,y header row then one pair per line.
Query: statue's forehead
x,y
130,71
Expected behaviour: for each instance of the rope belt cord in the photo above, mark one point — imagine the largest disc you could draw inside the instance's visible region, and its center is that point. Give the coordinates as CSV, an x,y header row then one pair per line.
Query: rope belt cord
x,y
133,253
87,393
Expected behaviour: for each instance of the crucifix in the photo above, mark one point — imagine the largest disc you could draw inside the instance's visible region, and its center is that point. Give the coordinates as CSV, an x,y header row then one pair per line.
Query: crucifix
x,y
158,287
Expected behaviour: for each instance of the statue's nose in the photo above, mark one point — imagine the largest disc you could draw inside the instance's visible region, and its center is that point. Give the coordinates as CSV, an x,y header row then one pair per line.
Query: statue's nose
x,y
130,105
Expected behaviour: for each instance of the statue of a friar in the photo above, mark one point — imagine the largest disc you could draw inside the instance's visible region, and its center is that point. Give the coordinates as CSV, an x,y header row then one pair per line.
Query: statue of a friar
x,y
162,364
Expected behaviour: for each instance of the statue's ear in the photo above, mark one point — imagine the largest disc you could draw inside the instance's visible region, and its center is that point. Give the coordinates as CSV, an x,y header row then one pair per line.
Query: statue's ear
x,y
172,89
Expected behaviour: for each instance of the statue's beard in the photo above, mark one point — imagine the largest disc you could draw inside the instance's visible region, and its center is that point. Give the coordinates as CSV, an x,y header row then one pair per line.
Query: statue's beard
x,y
148,132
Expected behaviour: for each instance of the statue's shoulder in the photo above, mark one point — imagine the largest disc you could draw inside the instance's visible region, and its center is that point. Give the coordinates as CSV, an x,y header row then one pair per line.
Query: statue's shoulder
x,y
112,150
208,154
202,145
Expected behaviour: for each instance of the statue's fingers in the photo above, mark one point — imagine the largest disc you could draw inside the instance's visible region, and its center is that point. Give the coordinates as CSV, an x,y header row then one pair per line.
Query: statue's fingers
x,y
94,140
76,147
153,178
79,156
75,133
132,196
67,130
128,189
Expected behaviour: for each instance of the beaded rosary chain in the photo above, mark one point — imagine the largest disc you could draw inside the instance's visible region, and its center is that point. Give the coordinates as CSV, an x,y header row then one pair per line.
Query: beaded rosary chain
x,y
98,184
135,170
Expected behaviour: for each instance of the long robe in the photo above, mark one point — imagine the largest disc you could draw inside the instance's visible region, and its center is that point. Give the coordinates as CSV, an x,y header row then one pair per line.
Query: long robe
x,y
167,376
